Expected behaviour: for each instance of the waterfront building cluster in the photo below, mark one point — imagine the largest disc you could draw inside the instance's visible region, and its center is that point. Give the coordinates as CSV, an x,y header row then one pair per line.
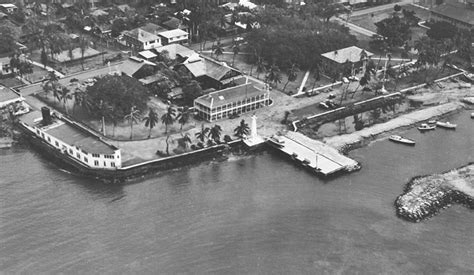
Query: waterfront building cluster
x,y
71,140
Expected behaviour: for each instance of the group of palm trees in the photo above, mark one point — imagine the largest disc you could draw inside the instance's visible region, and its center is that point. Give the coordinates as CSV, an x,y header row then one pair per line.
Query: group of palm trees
x,y
152,118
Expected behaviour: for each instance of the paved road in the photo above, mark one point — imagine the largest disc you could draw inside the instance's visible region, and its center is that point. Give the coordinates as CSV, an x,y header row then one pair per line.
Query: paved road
x,y
353,27
379,8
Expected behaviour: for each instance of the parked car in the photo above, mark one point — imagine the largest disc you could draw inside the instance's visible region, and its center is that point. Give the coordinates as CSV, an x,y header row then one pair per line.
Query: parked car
x,y
331,96
353,78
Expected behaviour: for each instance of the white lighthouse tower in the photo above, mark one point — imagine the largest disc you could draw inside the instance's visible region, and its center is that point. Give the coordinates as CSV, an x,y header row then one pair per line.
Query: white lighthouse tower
x,y
254,139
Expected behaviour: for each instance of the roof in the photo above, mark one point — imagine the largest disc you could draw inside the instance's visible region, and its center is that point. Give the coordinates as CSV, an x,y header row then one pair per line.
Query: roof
x,y
173,33
141,35
123,7
176,49
70,134
173,23
456,11
99,13
153,28
7,94
147,54
8,6
208,68
351,53
131,66
152,79
230,95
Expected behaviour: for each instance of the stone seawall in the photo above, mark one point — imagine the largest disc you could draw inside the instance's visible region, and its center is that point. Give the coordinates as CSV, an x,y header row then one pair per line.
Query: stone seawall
x,y
425,196
127,173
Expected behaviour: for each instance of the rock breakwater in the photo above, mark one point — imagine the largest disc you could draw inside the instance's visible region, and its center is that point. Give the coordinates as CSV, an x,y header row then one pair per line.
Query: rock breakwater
x,y
425,196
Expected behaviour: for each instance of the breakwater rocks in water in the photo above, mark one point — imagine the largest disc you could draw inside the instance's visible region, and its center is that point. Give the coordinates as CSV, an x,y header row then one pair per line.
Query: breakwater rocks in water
x,y
425,196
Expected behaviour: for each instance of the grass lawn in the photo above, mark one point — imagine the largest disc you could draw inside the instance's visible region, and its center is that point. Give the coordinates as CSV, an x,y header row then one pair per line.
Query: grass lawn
x,y
10,82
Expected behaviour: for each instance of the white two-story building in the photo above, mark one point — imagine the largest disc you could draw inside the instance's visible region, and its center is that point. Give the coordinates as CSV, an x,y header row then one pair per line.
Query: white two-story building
x,y
71,140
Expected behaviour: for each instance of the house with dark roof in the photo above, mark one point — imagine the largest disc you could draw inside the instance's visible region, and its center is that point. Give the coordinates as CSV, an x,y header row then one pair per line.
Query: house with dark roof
x,y
460,14
175,23
334,61
231,101
210,73
134,65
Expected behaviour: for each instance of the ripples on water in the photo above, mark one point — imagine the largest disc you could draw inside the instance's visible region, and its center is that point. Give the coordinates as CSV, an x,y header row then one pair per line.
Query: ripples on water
x,y
246,215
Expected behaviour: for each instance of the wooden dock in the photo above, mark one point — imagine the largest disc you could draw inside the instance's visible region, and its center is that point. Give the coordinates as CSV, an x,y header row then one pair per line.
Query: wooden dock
x,y
312,153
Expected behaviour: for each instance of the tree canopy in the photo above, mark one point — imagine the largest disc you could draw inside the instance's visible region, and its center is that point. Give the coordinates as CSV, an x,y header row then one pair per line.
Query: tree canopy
x,y
441,30
120,92
8,37
395,31
285,40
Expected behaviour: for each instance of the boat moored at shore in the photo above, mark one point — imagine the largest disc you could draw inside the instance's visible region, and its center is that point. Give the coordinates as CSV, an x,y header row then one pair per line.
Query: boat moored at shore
x,y
446,125
426,127
400,139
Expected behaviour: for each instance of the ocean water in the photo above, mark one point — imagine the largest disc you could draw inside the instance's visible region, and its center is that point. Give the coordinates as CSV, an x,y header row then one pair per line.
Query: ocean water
x,y
254,214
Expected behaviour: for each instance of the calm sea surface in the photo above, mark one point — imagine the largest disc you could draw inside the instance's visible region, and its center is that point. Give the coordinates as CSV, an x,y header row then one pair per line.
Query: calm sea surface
x,y
257,214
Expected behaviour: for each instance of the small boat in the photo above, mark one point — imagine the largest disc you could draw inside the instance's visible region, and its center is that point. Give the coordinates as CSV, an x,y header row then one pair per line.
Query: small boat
x,y
277,141
426,127
447,125
401,139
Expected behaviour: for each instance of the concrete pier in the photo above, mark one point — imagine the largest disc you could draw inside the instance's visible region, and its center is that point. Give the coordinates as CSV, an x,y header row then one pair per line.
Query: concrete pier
x,y
312,153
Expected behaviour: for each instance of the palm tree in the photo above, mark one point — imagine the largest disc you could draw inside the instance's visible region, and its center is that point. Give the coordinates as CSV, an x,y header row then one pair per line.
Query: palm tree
x,y
215,133
65,97
151,120
260,66
52,85
292,74
185,141
168,118
235,50
79,96
274,75
183,117
201,135
242,130
133,116
218,49
362,82
83,43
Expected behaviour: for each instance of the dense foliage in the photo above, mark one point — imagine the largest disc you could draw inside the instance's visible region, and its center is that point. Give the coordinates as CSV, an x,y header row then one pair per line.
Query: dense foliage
x,y
285,40
119,92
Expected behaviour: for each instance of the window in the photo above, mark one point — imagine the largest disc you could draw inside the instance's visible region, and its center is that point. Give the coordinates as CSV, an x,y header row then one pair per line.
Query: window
x,y
96,155
57,144
49,140
86,160
96,162
78,155
112,164
71,152
42,135
105,164
38,132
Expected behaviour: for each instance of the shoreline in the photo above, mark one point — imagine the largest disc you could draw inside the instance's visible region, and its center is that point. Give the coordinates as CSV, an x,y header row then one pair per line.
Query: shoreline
x,y
424,196
358,139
